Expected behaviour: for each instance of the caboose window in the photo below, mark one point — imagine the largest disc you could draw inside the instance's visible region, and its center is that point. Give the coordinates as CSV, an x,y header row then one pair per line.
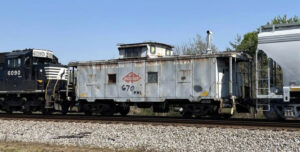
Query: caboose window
x,y
168,52
152,49
133,52
152,77
112,78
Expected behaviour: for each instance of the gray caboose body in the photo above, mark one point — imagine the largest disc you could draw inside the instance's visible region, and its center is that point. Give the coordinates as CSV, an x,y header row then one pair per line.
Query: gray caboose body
x,y
194,79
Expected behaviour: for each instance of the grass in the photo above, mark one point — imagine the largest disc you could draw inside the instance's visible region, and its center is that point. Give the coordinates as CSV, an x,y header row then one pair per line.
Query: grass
x,y
38,147
149,112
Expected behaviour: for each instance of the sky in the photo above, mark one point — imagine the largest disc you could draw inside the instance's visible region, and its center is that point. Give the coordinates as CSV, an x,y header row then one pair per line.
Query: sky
x,y
82,30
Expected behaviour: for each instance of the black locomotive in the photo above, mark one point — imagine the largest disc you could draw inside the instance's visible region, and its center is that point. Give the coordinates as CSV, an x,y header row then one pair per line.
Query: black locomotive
x,y
32,80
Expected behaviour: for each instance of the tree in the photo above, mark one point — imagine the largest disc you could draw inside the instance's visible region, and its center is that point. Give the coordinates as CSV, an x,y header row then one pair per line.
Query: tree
x,y
234,45
284,20
249,43
196,46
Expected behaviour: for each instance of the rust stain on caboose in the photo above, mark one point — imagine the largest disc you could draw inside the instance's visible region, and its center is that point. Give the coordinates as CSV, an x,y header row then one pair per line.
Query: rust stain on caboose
x,y
184,61
186,72
139,64
151,63
99,67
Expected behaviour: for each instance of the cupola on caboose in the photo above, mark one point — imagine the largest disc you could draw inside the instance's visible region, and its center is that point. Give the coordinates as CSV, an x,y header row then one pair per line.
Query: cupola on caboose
x,y
144,49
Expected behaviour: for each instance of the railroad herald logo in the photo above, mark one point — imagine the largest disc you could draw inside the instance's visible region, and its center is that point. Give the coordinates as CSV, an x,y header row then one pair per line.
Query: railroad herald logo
x,y
131,77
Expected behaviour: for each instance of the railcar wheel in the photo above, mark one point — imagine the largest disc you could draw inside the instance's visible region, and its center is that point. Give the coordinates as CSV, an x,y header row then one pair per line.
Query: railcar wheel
x,y
188,110
215,116
8,111
27,112
124,111
46,112
187,115
272,114
226,116
107,109
65,108
107,113
88,113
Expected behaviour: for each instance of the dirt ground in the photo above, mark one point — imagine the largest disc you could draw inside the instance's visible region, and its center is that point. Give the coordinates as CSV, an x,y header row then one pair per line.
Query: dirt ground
x,y
37,147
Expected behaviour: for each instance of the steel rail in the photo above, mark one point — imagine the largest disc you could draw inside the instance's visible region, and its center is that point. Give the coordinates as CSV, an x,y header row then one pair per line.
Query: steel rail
x,y
158,120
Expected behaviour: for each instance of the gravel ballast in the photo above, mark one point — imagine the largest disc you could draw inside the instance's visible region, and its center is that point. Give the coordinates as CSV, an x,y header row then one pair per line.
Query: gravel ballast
x,y
148,137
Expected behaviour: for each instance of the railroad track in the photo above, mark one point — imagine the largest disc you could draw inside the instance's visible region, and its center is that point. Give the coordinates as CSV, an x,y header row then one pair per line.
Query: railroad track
x,y
292,125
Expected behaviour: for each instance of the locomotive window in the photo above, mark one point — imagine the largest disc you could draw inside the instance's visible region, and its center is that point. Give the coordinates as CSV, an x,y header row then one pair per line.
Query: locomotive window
x,y
152,49
9,63
112,78
152,77
13,63
19,61
27,61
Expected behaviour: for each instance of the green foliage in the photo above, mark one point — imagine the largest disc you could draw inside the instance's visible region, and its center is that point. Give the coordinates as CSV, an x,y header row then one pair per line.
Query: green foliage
x,y
249,43
284,20
234,45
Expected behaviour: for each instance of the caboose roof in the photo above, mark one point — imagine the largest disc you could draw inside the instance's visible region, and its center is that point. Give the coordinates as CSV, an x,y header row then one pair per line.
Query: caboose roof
x,y
240,56
143,44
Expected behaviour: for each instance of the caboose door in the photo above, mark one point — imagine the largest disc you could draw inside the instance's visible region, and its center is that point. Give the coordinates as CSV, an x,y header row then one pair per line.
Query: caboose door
x,y
131,80
125,80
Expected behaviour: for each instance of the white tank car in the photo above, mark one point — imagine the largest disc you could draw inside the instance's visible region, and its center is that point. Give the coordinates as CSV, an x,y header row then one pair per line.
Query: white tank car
x,y
278,89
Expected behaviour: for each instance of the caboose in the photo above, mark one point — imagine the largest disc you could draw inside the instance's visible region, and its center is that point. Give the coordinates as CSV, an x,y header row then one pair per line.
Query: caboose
x,y
31,80
148,75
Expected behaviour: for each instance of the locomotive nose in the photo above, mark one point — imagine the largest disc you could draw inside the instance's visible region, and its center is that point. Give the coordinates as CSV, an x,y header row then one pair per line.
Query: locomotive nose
x,y
56,73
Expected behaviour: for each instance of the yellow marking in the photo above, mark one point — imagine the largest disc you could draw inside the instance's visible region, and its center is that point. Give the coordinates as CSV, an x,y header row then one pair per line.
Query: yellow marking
x,y
205,93
46,92
295,89
82,94
54,88
39,81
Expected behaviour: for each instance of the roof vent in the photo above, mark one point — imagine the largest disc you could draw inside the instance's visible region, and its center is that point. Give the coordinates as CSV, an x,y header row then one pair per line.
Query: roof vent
x,y
208,40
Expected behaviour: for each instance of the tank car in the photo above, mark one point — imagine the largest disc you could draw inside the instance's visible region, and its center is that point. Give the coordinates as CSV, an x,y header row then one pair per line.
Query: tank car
x,y
147,75
277,71
32,80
